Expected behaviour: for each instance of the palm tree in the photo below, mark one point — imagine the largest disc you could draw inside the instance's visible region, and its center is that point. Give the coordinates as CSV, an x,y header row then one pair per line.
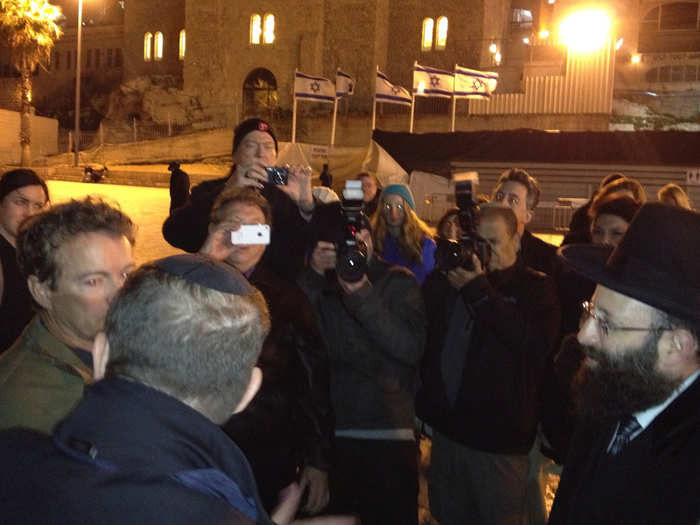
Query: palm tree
x,y
28,28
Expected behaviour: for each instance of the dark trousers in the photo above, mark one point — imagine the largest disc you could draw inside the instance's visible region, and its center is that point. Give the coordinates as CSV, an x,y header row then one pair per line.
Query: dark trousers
x,y
376,480
468,486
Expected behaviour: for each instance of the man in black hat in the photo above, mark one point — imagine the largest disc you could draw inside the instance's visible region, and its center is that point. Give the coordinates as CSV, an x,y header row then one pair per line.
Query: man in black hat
x,y
22,194
634,458
254,149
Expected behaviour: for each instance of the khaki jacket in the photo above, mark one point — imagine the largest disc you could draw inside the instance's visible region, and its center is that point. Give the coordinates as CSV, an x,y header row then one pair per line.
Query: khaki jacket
x,y
41,380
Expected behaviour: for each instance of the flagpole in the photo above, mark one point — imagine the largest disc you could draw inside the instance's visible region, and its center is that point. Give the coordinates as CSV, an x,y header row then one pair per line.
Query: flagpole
x,y
413,95
374,101
413,102
294,110
454,110
335,113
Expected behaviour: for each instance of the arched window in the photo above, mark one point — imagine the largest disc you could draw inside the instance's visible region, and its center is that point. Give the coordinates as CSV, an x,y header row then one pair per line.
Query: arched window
x,y
148,47
441,40
158,46
260,93
183,42
427,38
671,28
255,29
269,29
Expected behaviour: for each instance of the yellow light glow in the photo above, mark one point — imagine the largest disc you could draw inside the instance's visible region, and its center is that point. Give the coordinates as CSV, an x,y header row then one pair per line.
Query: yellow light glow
x,y
497,57
493,48
269,29
619,43
526,40
636,59
585,31
544,33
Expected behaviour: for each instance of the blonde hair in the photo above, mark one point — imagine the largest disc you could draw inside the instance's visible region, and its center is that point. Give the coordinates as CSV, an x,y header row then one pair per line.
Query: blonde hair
x,y
674,195
413,231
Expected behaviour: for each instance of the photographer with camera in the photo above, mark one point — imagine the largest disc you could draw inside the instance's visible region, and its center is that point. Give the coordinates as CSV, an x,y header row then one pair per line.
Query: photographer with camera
x,y
373,321
288,190
491,324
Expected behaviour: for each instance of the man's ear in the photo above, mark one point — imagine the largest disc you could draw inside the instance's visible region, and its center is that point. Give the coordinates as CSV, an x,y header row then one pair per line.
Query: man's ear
x,y
100,356
41,291
680,353
529,214
518,241
251,390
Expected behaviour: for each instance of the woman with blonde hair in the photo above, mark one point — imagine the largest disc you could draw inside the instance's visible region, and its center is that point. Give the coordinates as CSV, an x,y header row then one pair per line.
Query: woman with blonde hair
x,y
674,195
400,236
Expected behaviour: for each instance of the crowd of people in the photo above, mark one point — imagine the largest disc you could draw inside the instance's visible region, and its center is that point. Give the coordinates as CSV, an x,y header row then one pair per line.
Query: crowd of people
x,y
264,382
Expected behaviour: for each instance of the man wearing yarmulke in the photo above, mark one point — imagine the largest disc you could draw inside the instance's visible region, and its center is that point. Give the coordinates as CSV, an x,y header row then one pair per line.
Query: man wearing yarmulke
x,y
634,457
254,149
176,359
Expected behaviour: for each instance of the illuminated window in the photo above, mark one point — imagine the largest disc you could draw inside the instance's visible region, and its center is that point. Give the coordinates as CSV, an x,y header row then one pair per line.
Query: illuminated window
x,y
521,17
441,40
269,27
255,29
427,40
158,46
181,53
148,47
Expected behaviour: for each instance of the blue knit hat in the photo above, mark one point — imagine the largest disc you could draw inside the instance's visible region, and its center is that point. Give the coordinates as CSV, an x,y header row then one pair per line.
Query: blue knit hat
x,y
402,190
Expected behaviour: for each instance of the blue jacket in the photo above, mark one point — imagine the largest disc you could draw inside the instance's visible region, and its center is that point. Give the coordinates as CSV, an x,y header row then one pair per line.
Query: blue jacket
x,y
127,454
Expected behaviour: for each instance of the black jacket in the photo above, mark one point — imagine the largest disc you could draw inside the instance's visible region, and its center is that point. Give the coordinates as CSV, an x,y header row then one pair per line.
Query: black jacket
x,y
539,255
654,480
15,302
289,423
127,454
516,317
375,340
187,227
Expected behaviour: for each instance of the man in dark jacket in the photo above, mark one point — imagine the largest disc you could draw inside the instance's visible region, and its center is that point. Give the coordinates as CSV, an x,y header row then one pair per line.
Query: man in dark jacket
x,y
288,427
374,328
489,337
518,190
634,457
254,149
143,446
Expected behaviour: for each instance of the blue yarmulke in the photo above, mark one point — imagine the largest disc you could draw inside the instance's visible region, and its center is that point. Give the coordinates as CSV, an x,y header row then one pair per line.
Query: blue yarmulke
x,y
206,272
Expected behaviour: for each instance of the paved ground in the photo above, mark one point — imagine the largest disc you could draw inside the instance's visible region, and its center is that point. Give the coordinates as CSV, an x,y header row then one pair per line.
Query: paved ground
x,y
147,207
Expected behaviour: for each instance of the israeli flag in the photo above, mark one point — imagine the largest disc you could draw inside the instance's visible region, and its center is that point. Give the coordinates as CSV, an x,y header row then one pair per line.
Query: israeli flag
x,y
388,92
313,89
470,83
431,82
344,84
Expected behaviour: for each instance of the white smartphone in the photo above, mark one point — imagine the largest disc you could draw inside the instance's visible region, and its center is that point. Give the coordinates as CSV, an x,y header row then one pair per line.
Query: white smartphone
x,y
251,234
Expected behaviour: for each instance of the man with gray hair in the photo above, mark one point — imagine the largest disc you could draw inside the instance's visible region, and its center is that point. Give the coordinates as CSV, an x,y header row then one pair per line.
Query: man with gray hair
x,y
177,358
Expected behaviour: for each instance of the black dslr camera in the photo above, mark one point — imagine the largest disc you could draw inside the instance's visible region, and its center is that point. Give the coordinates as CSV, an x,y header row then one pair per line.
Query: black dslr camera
x,y
450,254
351,264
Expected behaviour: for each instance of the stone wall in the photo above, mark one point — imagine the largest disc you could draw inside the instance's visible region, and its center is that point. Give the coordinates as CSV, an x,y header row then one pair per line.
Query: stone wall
x,y
141,17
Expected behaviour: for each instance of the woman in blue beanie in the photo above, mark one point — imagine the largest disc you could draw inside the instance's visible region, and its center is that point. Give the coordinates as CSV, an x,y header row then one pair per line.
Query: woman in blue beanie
x,y
400,236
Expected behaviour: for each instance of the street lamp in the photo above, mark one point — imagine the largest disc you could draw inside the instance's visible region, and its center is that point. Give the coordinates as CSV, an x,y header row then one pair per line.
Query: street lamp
x,y
77,83
585,31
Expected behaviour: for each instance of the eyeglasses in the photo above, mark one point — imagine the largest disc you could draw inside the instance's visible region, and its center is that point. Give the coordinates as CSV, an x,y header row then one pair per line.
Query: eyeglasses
x,y
388,206
605,326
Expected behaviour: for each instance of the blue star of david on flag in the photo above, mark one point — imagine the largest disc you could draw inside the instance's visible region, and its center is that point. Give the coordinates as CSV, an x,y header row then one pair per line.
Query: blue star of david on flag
x,y
313,89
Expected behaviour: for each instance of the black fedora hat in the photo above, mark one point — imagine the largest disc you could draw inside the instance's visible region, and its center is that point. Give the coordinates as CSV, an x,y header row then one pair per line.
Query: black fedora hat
x,y
657,262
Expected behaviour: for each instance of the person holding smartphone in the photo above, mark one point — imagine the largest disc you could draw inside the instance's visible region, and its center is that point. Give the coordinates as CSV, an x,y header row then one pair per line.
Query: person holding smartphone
x,y
288,426
255,150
